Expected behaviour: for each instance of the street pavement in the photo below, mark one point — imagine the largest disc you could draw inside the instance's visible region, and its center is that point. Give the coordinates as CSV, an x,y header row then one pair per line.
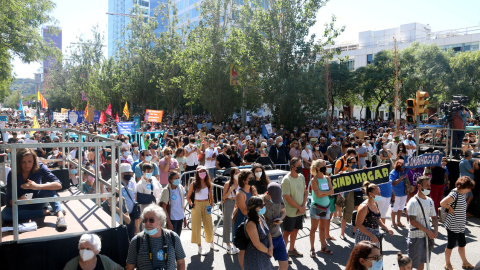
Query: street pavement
x,y
341,249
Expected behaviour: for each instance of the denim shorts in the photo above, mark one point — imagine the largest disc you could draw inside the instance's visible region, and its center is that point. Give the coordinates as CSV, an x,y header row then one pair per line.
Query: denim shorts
x,y
314,215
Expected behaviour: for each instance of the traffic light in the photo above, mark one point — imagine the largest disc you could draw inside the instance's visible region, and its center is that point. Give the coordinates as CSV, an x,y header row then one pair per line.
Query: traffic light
x,y
421,101
410,110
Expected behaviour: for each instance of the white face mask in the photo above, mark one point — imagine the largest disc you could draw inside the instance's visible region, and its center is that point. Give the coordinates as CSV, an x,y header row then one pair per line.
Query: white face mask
x,y
258,174
86,254
55,152
235,177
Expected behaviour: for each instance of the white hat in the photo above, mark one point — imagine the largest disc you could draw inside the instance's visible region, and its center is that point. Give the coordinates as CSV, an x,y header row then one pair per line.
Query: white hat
x,y
125,167
248,137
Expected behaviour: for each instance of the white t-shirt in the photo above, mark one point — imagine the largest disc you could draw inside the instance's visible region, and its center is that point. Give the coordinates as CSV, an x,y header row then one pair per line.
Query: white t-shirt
x,y
144,187
176,209
307,156
392,147
414,209
410,151
192,159
208,154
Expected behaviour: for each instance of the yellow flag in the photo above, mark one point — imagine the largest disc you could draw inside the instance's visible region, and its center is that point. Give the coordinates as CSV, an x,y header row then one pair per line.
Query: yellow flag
x,y
125,110
35,125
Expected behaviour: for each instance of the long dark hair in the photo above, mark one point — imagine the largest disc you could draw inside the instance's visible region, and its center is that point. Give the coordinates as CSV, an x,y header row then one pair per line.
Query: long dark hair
x,y
252,204
231,181
404,150
23,152
361,250
197,184
264,178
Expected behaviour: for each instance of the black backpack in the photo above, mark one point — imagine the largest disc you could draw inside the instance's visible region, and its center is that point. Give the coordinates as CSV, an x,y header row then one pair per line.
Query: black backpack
x,y
240,240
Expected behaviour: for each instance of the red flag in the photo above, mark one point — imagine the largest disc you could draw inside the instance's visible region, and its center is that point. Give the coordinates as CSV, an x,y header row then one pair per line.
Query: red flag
x,y
116,118
109,110
101,120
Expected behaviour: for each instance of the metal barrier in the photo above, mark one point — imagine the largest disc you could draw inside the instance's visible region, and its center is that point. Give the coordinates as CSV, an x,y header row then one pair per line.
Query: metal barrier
x,y
98,142
285,167
448,139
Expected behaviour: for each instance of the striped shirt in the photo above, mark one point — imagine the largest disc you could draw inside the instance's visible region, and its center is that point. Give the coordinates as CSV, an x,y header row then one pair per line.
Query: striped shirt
x,y
456,223
142,261
413,208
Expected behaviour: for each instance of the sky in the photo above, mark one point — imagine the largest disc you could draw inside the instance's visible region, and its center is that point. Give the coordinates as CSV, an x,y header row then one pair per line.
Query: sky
x,y
78,17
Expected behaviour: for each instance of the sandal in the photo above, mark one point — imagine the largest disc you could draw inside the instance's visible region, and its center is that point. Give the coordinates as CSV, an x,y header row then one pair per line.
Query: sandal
x,y
468,266
449,267
331,238
394,225
326,251
312,253
400,225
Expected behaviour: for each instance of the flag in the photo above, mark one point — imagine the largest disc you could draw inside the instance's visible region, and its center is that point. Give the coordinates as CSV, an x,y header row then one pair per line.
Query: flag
x,y
125,110
86,111
116,118
109,110
101,120
43,101
265,132
20,106
35,125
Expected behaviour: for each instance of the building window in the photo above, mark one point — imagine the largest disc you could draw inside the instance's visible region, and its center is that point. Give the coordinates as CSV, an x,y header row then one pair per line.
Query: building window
x,y
351,64
369,59
470,47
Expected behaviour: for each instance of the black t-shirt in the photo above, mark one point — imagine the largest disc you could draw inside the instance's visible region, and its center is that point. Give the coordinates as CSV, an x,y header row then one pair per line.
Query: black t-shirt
x,y
261,189
12,140
438,176
223,161
249,157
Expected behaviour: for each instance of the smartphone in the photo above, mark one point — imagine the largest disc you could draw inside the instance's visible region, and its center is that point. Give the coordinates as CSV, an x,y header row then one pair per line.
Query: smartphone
x,y
209,209
278,220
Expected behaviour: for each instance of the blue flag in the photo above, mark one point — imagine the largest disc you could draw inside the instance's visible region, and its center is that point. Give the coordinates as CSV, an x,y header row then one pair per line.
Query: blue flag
x,y
20,106
126,127
265,132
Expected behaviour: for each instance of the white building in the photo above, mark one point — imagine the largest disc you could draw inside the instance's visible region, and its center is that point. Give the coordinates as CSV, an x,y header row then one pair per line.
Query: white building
x,y
370,42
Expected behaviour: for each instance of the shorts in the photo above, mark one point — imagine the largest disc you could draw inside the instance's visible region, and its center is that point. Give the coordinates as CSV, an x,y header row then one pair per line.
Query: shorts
x,y
314,215
293,223
279,249
347,210
417,251
453,237
400,202
358,197
383,205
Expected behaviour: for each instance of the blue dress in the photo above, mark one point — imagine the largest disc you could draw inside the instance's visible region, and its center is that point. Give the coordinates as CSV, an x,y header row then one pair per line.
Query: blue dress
x,y
255,259
240,215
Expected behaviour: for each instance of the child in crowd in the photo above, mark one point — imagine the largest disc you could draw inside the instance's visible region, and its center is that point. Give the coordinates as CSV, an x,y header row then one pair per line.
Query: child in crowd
x,y
181,159
404,262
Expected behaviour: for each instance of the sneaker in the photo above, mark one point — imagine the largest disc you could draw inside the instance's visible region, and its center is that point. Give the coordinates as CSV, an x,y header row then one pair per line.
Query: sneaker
x,y
290,260
202,251
294,253
232,250
336,220
213,248
61,222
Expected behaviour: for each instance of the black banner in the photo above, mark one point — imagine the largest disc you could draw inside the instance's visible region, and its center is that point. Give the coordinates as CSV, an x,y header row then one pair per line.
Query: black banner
x,y
354,180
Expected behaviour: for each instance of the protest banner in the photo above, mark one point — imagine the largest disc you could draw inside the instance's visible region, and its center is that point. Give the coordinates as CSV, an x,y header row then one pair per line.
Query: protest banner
x,y
208,126
126,127
3,118
60,116
353,180
75,117
153,116
21,117
425,160
136,119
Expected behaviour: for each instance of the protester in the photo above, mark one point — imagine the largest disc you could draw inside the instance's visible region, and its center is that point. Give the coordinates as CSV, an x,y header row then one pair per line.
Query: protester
x,y
229,193
278,153
320,206
397,178
106,206
148,190
261,179
295,149
260,248
252,155
155,239
333,151
365,256
36,179
404,262
201,205
439,181
467,167
420,211
455,221
89,248
173,203
191,153
295,198
167,164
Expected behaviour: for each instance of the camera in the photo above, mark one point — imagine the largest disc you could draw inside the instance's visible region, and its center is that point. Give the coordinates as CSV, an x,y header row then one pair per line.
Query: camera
x,y
457,103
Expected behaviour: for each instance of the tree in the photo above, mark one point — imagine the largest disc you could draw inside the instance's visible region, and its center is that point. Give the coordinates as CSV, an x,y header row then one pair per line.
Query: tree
x,y
465,77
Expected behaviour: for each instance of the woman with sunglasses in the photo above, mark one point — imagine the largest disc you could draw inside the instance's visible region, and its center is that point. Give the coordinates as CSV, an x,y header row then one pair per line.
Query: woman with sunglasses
x,y
365,256
202,205
260,248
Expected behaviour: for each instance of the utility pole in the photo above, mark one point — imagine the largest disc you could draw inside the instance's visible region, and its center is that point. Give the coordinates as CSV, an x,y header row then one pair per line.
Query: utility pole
x,y
397,89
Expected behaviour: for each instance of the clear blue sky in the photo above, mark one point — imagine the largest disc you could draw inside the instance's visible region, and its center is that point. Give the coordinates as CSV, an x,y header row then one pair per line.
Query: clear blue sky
x,y
78,17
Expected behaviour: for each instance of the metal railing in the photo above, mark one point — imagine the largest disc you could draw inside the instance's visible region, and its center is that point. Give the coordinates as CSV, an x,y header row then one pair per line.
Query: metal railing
x,y
98,142
448,146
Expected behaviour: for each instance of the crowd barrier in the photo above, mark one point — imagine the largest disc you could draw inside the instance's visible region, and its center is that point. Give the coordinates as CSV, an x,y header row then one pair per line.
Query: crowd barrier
x,y
449,135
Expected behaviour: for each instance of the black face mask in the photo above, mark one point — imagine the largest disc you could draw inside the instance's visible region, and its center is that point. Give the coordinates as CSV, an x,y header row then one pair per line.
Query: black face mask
x,y
299,169
127,177
323,170
251,181
229,152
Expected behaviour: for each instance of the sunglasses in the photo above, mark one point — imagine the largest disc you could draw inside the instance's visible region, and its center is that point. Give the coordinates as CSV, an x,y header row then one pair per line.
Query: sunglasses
x,y
376,257
146,220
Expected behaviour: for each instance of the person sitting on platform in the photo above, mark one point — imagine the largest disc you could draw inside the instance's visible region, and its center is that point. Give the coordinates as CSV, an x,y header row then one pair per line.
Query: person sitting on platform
x,y
89,247
35,178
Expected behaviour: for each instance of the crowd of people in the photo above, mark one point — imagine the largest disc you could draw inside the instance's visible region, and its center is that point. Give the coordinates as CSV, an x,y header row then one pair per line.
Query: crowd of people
x,y
261,218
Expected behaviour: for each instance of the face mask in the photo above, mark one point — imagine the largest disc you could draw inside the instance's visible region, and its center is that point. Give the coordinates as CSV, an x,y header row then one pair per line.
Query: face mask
x,y
258,174
55,152
262,211
86,254
317,148
148,175
298,169
136,148
280,144
202,175
309,147
334,143
126,153
229,152
73,171
176,182
377,198
323,170
235,177
296,145
212,145
151,232
355,166
90,179
127,177
376,265
426,192
148,158
329,170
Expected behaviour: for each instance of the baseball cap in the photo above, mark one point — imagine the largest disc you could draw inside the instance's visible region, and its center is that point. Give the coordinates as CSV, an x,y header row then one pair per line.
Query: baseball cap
x,y
125,167
199,168
275,191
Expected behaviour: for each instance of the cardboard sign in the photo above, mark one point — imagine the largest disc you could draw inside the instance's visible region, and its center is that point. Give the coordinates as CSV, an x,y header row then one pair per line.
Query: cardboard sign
x,y
153,116
425,160
354,180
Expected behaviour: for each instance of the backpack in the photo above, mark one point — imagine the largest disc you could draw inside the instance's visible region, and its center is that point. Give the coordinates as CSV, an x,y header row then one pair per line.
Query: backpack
x,y
342,163
240,240
140,236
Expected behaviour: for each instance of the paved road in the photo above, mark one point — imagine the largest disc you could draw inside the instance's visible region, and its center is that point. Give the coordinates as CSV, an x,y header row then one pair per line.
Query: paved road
x,y
341,249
